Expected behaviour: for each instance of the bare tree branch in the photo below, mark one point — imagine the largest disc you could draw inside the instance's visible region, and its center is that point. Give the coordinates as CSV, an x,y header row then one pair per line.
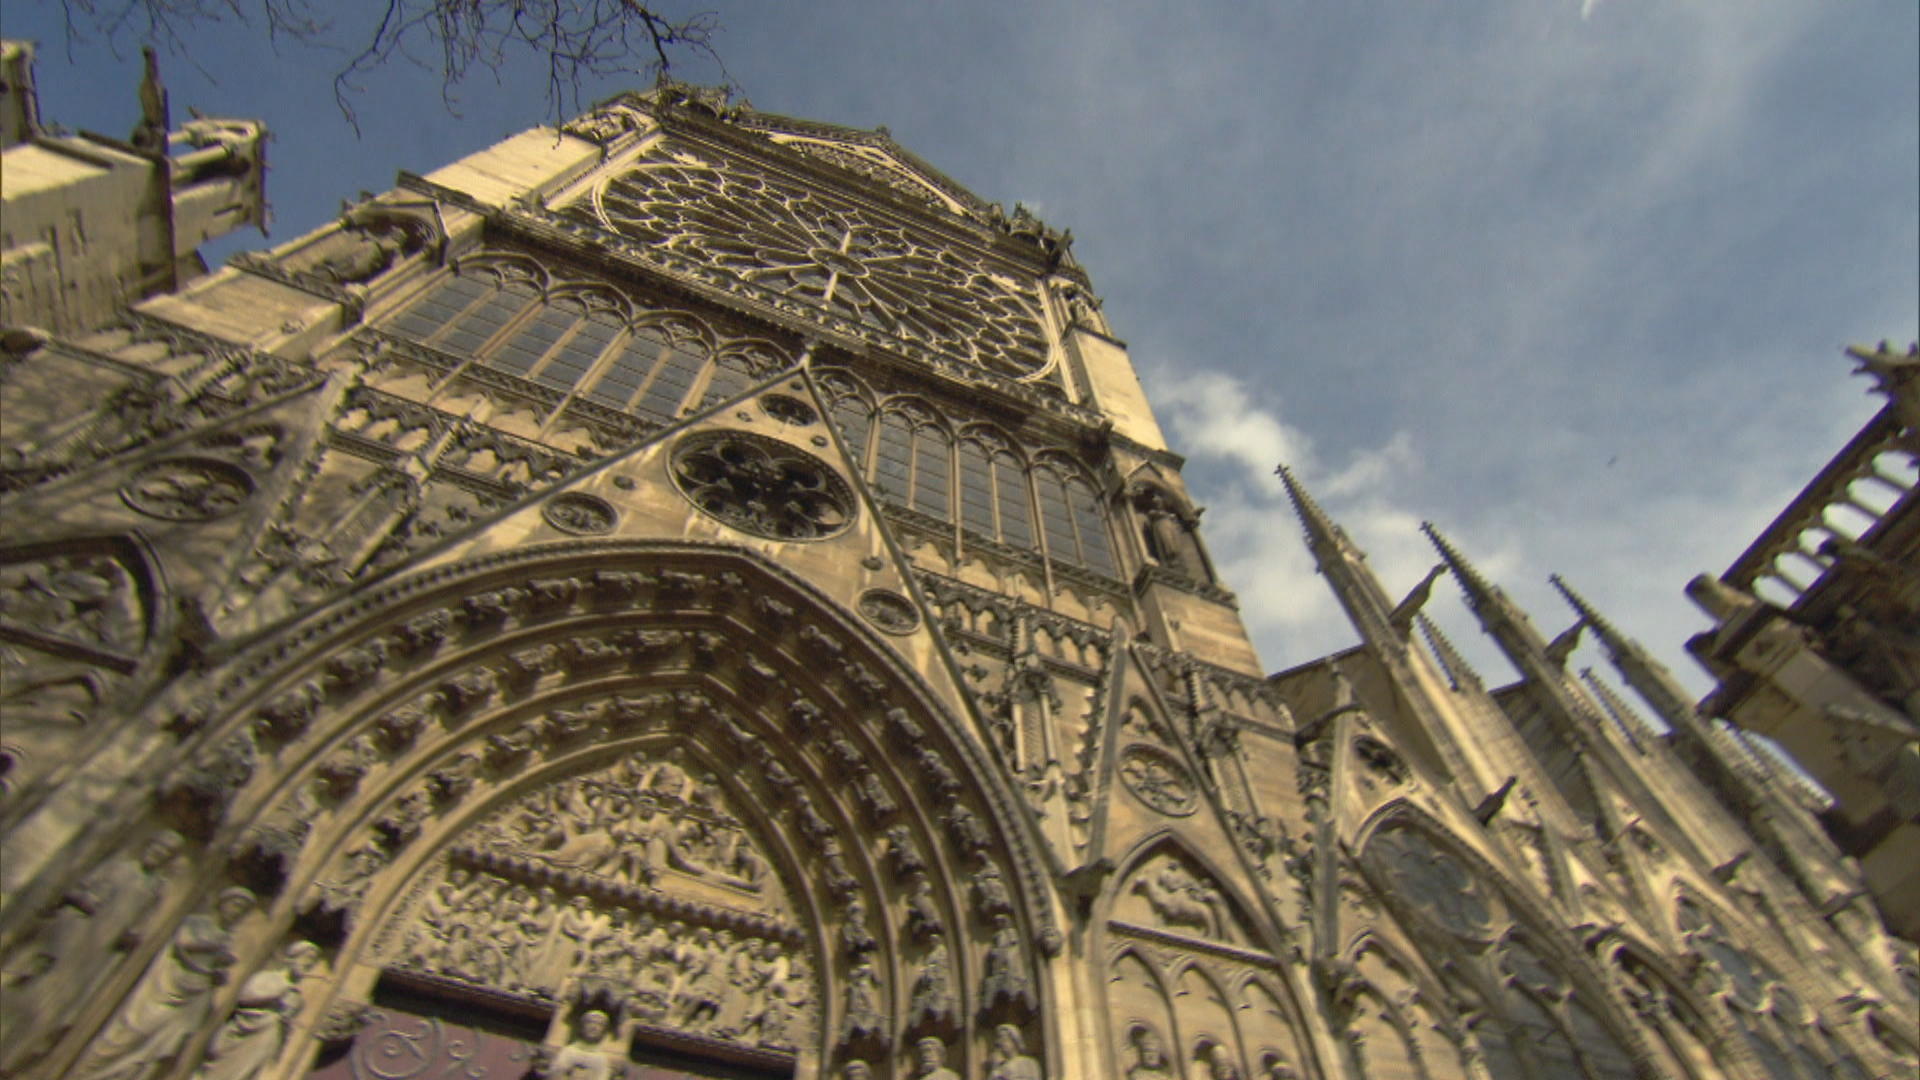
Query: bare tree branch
x,y
580,39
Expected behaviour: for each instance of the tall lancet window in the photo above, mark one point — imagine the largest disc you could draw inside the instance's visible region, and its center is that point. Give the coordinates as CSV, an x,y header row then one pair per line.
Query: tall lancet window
x,y
993,490
912,461
1070,513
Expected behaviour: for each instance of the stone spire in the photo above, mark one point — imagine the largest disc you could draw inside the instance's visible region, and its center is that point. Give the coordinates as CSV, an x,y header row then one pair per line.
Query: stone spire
x,y
1756,788
1344,566
1459,672
1648,677
1499,616
1631,724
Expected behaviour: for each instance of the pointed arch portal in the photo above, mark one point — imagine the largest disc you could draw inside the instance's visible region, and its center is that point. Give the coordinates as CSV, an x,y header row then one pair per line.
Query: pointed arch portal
x,y
650,801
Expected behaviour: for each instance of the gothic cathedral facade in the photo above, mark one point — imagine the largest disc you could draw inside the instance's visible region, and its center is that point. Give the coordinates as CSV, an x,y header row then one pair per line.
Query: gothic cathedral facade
x,y
698,593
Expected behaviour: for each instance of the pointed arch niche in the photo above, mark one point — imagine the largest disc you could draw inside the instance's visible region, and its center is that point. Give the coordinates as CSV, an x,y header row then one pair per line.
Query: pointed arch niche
x,y
618,801
1195,989
1540,1012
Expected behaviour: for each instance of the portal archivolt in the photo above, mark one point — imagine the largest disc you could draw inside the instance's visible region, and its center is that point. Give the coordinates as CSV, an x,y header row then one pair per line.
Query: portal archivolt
x,y
633,796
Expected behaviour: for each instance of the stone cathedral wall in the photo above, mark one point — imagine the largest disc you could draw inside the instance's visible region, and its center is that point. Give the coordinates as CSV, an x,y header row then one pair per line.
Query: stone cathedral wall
x,y
698,593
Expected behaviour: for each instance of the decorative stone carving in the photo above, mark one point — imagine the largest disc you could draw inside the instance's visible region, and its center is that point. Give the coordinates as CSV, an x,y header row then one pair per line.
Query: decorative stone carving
x,y
173,1001
586,1057
1150,1061
1215,1062
866,1021
607,123
579,513
254,1034
102,914
1005,989
930,1060
84,598
1179,900
188,489
789,410
1010,1060
1157,778
762,486
889,611
931,1005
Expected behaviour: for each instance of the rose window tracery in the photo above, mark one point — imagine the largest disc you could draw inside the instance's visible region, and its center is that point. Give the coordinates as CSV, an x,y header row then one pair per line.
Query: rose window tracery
x,y
1449,893
188,489
762,486
1156,778
818,249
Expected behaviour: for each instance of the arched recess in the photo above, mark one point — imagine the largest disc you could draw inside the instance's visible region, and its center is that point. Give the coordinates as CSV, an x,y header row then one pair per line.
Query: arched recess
x,y
1172,914
1545,1011
1787,1036
416,732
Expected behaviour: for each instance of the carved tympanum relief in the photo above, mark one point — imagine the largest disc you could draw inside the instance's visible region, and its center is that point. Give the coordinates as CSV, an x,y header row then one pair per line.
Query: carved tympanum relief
x,y
633,880
1168,892
732,216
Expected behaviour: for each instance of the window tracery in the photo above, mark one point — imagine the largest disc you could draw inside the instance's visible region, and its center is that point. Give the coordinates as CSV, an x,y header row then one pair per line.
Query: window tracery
x,y
1536,1020
580,339
828,253
1786,1037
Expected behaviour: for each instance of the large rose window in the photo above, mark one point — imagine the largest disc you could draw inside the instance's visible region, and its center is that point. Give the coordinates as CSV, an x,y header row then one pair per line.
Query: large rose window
x,y
811,246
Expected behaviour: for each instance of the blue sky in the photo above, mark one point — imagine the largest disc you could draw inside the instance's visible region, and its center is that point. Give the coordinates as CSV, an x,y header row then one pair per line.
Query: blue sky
x,y
1569,279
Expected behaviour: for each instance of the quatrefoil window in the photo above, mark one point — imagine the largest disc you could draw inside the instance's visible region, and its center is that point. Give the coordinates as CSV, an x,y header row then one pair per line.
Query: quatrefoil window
x,y
762,486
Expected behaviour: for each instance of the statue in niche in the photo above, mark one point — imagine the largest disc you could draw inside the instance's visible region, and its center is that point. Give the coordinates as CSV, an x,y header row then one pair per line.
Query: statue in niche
x,y
1274,1067
1168,532
584,1058
253,1036
923,911
1216,1062
108,901
864,1018
932,1000
1005,981
1150,1060
173,1000
1179,900
930,1060
1010,1060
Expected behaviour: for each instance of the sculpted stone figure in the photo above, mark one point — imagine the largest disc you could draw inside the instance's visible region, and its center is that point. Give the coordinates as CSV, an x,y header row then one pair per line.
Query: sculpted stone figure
x,y
932,999
864,1018
583,1058
930,1060
1005,983
1219,1062
1010,1060
1179,901
173,1000
252,1038
101,912
1149,1055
